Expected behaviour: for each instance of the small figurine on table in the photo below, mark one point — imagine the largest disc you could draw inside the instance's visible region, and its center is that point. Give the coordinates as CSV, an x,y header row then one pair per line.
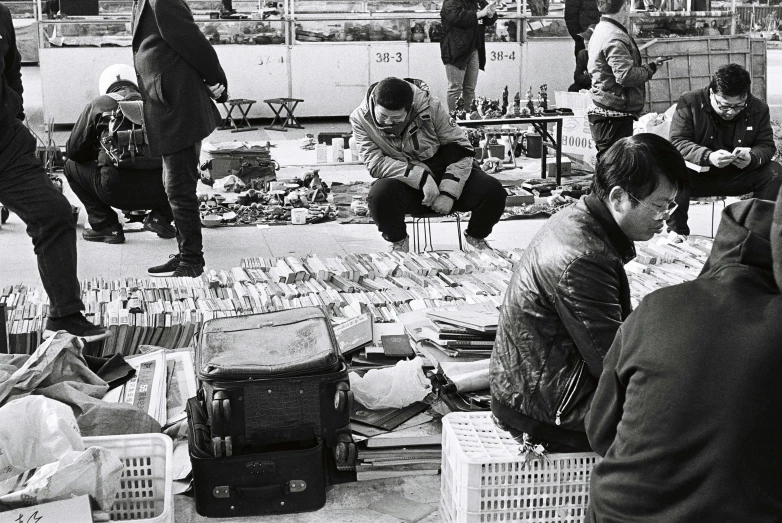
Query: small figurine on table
x,y
474,114
505,100
459,113
530,103
544,96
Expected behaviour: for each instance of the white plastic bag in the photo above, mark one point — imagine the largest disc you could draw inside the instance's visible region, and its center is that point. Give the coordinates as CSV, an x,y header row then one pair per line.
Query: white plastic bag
x,y
34,431
393,387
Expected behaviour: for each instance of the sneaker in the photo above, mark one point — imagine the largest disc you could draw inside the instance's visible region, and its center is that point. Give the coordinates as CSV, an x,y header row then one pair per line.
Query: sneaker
x,y
167,269
156,223
401,245
185,270
111,234
77,325
476,244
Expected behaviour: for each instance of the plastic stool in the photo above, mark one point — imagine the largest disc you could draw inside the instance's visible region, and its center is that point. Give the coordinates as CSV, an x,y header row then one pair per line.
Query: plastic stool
x,y
425,221
289,106
244,105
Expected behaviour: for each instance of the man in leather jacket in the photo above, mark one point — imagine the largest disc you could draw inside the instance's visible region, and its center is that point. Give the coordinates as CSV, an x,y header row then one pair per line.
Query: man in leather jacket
x,y
569,294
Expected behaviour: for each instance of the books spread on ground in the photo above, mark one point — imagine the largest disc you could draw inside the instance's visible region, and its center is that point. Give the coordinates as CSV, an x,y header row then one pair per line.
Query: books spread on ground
x,y
167,312
180,384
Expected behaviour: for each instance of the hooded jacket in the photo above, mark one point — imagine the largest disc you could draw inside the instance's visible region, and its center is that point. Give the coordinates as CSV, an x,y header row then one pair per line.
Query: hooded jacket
x,y
618,76
687,413
566,299
388,155
693,130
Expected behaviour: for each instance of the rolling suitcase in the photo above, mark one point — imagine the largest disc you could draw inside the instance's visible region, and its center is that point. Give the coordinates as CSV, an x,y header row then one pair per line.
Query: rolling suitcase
x,y
283,479
275,378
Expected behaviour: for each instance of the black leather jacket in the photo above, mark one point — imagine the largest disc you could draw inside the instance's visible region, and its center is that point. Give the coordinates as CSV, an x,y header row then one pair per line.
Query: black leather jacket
x,y
567,298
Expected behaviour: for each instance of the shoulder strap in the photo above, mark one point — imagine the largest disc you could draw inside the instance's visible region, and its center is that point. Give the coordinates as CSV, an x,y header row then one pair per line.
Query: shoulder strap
x,y
133,111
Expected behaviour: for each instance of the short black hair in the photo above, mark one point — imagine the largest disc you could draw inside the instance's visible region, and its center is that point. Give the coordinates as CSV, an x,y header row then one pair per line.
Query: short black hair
x,y
636,164
394,94
609,7
731,80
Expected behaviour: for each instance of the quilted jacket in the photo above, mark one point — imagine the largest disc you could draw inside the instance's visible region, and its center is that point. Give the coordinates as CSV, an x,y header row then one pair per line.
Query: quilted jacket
x,y
567,298
463,32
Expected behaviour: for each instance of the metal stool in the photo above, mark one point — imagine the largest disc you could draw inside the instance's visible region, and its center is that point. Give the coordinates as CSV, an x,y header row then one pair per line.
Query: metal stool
x,y
290,120
229,122
425,221
713,200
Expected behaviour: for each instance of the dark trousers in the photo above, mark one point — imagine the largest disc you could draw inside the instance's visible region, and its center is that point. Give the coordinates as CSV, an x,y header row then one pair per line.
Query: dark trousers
x,y
101,189
180,178
391,199
25,189
607,131
764,182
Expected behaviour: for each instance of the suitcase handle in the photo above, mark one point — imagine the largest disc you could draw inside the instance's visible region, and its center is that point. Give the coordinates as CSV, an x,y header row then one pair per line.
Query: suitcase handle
x,y
266,493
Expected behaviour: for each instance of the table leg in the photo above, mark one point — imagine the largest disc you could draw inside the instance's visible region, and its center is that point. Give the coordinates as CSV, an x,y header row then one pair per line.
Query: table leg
x,y
559,152
228,122
543,152
290,120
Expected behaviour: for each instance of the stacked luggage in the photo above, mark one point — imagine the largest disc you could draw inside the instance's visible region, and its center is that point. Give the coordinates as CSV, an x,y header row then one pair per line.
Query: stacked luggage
x,y
270,428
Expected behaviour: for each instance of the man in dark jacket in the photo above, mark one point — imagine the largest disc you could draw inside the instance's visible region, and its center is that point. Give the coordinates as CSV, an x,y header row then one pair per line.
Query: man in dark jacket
x,y
98,182
618,76
569,293
727,132
687,413
179,75
26,190
580,14
581,77
463,47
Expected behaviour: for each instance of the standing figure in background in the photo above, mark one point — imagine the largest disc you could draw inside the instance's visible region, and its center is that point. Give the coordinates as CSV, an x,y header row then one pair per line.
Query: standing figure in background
x,y
579,15
618,76
100,179
463,47
27,191
581,77
178,76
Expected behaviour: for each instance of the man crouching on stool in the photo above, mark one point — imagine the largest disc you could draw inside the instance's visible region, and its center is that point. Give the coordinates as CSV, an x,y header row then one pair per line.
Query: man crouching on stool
x,y
423,163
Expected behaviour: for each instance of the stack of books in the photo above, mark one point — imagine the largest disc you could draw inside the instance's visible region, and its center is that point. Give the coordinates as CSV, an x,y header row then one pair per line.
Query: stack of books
x,y
168,312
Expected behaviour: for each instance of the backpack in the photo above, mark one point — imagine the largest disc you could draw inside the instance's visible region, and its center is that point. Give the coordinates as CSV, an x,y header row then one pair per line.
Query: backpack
x,y
123,136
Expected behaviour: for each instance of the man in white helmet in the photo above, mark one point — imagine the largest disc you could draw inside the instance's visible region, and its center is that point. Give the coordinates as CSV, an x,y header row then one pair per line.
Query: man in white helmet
x,y
102,177
26,190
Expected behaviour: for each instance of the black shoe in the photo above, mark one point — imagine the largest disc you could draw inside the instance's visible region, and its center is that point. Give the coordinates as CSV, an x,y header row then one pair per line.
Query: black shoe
x,y
185,270
111,234
156,223
77,325
167,269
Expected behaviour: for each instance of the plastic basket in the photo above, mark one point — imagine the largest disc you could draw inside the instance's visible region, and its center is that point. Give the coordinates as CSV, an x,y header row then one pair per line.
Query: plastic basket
x,y
145,487
485,479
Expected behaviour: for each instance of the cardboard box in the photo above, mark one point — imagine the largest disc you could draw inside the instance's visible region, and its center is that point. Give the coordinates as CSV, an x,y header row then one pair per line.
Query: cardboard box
x,y
526,198
551,167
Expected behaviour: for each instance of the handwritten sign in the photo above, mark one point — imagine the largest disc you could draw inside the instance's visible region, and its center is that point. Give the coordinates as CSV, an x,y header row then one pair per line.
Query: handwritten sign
x,y
74,510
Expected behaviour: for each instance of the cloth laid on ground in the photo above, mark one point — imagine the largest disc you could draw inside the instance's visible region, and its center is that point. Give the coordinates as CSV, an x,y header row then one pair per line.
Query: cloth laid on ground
x,y
43,458
58,370
344,193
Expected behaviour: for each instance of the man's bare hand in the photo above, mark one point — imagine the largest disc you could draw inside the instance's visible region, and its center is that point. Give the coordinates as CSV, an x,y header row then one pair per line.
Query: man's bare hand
x,y
217,90
721,158
443,204
742,157
431,191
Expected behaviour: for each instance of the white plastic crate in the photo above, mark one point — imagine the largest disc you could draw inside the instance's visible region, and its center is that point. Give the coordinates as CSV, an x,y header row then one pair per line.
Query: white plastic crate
x,y
145,494
485,479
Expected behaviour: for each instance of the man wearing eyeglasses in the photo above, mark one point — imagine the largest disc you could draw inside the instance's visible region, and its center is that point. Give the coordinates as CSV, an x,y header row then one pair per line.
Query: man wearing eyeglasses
x,y
725,132
569,294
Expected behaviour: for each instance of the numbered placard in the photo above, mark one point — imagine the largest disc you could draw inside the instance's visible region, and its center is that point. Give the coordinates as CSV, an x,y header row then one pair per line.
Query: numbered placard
x,y
577,138
503,67
388,60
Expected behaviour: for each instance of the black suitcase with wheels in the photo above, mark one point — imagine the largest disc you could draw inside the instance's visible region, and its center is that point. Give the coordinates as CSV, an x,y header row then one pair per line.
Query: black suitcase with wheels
x,y
283,479
275,378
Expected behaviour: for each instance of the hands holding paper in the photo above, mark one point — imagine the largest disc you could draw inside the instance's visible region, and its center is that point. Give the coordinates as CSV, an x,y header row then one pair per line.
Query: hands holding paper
x,y
740,157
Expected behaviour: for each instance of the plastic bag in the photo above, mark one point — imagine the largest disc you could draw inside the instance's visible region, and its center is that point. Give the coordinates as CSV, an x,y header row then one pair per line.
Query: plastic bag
x,y
230,183
34,431
393,387
95,472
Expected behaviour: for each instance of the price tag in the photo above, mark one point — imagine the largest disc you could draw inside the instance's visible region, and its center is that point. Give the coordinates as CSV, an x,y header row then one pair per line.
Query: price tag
x,y
74,510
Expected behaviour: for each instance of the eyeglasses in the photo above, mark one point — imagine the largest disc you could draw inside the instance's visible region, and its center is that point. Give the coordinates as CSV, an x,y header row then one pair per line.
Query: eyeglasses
x,y
658,214
728,107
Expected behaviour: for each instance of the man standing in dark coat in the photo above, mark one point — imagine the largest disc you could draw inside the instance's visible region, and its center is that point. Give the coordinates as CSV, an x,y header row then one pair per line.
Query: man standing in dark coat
x,y
26,190
687,413
463,47
179,75
727,132
580,14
